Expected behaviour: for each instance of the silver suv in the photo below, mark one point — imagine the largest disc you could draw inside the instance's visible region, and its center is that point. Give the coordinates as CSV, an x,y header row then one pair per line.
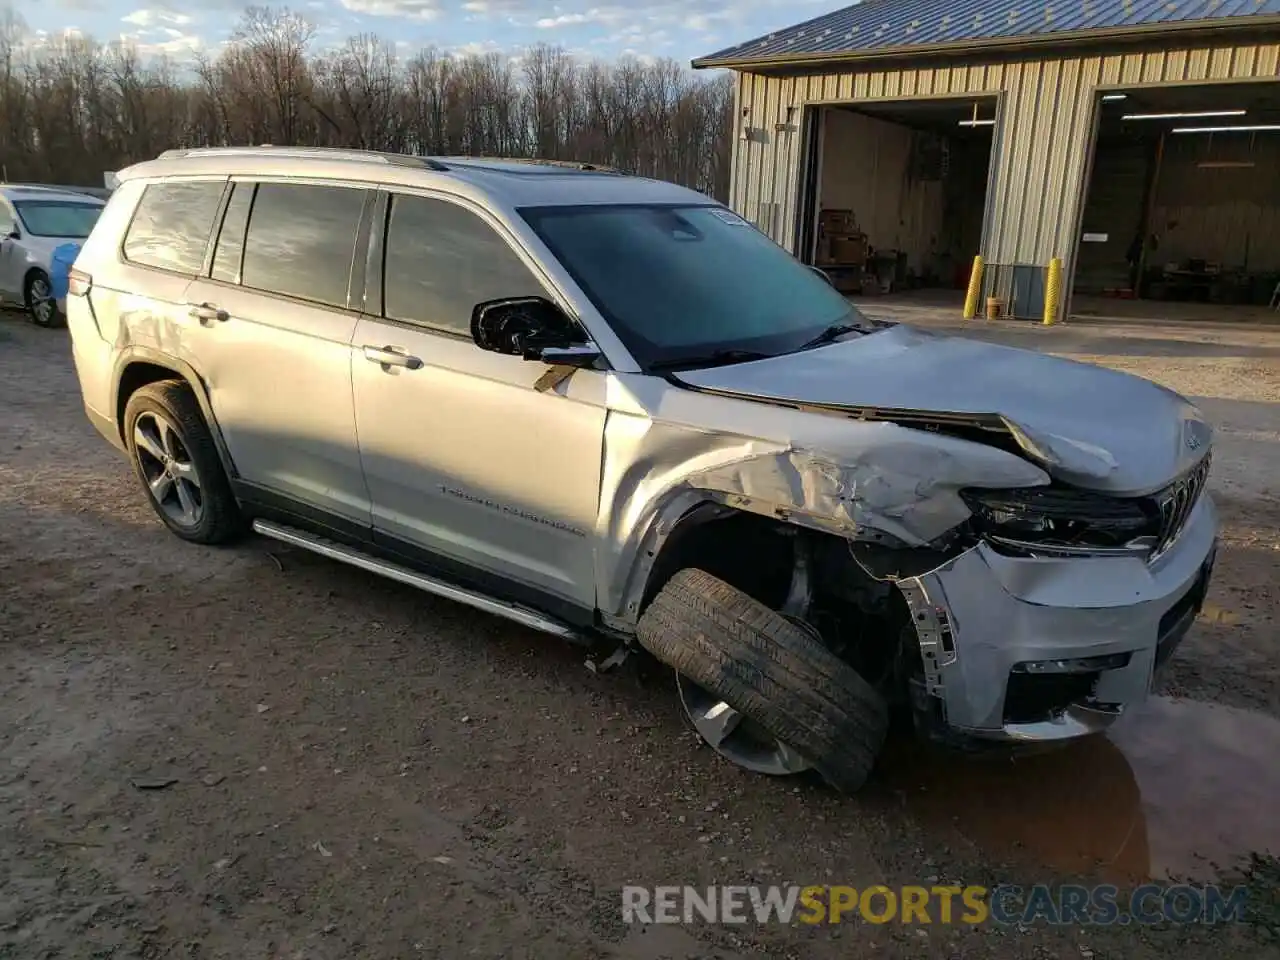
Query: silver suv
x,y
611,409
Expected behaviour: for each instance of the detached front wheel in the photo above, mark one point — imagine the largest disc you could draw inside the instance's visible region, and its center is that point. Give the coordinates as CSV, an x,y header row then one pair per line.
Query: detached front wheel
x,y
763,691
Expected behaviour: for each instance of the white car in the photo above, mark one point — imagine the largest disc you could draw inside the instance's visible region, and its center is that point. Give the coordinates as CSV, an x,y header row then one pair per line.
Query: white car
x,y
35,221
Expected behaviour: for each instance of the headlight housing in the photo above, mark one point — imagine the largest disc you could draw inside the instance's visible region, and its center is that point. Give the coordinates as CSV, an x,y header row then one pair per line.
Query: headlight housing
x,y
1057,518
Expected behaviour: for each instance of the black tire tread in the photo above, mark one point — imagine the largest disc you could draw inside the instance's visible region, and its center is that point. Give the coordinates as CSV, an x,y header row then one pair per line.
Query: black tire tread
x,y
769,669
222,521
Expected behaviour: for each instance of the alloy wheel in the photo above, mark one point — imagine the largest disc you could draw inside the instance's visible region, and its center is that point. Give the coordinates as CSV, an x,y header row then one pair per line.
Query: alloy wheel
x,y
735,736
40,300
167,467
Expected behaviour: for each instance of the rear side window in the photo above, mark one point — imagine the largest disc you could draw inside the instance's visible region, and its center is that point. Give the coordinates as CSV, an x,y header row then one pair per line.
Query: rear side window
x,y
300,240
170,229
442,260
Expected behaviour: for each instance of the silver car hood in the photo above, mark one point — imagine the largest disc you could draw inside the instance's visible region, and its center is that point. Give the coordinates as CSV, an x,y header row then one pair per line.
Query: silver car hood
x,y
1094,427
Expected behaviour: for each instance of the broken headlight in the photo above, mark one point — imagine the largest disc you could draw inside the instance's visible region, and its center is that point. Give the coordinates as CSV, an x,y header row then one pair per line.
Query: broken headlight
x,y
1063,517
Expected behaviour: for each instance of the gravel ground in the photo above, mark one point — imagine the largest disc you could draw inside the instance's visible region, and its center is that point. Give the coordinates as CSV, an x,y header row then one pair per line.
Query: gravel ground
x,y
253,752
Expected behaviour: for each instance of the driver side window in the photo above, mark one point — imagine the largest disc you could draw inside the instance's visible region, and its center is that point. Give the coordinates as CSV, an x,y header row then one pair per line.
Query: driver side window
x,y
441,260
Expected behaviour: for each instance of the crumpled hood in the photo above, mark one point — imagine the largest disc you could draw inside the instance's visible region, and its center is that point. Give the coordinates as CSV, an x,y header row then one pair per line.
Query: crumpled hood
x,y
1094,427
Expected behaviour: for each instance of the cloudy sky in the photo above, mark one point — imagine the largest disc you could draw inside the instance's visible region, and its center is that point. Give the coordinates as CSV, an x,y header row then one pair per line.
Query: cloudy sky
x,y
597,28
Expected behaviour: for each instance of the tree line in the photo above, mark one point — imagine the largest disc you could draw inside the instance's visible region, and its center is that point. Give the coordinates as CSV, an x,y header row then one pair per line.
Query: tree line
x,y
71,108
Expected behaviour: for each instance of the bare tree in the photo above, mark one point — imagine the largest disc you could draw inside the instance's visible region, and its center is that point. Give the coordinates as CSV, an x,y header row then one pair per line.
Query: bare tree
x,y
72,108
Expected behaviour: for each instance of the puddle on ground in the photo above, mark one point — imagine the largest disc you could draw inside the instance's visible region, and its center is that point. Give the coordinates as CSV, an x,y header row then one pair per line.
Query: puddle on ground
x,y
1178,789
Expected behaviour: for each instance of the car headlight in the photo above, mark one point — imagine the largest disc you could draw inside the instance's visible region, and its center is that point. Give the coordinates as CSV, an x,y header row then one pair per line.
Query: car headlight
x,y
1058,516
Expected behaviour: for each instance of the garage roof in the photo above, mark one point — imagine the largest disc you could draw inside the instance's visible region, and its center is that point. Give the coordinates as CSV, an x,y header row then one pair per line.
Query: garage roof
x,y
882,28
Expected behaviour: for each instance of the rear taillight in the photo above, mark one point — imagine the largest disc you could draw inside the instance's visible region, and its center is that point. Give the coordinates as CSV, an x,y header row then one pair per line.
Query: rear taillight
x,y
79,283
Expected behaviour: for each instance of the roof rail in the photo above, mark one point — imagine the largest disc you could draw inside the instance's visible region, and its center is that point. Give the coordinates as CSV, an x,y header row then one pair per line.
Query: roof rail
x,y
326,153
538,162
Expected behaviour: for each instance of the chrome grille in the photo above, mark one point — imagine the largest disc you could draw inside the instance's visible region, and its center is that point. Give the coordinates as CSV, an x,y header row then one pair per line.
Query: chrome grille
x,y
1176,502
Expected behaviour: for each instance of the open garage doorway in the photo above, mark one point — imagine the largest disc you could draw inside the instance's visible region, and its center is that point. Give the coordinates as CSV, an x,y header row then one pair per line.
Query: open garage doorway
x,y
897,194
1181,218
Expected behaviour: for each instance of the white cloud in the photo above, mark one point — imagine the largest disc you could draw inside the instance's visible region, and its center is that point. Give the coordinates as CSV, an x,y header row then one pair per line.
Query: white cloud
x,y
179,47
150,17
489,7
563,20
703,22
408,9
176,45
603,15
476,48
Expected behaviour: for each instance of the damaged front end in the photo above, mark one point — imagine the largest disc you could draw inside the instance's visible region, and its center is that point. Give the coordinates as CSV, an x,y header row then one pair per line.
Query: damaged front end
x,y
1054,610
1004,583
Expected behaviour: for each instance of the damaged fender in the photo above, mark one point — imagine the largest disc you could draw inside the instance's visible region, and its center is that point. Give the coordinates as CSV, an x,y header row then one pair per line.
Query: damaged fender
x,y
869,481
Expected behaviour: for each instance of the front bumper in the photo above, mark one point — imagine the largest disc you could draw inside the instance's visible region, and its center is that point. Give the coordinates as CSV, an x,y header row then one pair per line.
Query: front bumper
x,y
995,630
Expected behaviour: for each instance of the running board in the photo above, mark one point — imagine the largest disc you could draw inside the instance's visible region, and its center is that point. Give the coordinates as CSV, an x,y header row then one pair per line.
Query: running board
x,y
334,551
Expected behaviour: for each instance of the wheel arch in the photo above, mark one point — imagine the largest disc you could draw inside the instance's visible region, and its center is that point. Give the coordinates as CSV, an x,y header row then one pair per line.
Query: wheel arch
x,y
682,531
27,276
712,537
138,366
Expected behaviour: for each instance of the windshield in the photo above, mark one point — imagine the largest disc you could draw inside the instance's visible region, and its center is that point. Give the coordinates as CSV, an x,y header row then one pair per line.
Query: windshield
x,y
58,218
690,283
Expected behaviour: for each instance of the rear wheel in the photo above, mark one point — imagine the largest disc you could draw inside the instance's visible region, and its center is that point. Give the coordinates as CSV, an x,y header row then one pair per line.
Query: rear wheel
x,y
177,462
761,689
42,308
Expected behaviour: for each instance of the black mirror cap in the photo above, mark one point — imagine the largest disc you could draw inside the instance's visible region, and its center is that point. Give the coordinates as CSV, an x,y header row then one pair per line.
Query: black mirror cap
x,y
584,356
522,327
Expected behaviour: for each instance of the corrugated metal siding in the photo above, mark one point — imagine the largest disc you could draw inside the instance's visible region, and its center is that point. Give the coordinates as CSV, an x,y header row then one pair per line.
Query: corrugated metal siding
x,y
904,24
1042,141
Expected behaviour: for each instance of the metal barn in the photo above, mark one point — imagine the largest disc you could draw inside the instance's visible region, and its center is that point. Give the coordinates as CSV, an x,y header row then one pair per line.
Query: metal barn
x,y
1137,142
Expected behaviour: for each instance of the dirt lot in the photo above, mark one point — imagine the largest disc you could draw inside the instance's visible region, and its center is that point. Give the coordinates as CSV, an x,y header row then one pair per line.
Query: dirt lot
x,y
354,769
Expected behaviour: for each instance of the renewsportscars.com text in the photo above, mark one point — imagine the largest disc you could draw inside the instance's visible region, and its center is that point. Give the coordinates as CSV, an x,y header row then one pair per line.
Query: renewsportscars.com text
x,y
1103,904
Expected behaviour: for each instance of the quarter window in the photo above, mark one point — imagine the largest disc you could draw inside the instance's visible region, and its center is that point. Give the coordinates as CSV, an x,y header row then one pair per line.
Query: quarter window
x,y
229,253
170,229
300,240
442,260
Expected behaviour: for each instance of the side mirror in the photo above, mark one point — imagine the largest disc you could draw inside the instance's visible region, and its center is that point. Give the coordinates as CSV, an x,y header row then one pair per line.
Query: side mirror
x,y
14,234
532,328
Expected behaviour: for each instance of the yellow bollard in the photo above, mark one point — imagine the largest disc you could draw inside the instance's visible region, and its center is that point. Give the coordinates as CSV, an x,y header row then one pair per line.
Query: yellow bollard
x,y
1052,291
975,288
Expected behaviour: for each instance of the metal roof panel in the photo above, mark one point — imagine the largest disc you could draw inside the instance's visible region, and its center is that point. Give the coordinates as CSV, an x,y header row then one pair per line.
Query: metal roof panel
x,y
900,25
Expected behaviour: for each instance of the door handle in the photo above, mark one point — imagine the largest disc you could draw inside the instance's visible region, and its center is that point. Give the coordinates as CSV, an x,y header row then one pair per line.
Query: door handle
x,y
390,356
205,312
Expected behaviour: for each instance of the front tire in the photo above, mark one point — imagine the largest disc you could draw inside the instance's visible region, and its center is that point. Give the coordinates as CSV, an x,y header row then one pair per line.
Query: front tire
x,y
770,670
177,462
42,308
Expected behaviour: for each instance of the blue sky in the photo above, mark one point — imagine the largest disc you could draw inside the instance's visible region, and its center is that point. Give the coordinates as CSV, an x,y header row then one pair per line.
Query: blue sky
x,y
682,29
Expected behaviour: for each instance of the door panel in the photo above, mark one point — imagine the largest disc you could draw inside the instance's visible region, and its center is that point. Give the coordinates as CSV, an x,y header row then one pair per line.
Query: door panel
x,y
279,379
279,367
464,458
10,255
